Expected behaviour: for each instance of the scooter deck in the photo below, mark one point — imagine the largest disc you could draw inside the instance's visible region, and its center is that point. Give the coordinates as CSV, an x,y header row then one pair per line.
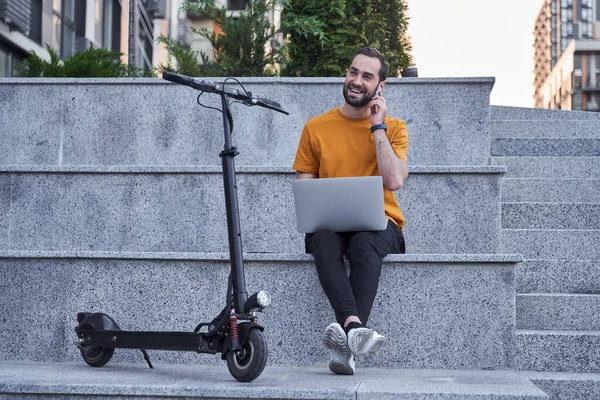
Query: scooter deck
x,y
147,340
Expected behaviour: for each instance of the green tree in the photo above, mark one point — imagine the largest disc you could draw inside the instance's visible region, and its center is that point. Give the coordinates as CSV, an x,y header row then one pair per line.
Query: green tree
x,y
248,44
240,48
92,63
348,25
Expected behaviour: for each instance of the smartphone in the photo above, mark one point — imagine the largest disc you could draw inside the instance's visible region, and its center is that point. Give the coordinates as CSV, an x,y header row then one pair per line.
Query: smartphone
x,y
375,108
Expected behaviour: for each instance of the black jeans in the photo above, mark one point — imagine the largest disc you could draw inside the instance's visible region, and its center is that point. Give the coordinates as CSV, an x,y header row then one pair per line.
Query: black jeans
x,y
354,294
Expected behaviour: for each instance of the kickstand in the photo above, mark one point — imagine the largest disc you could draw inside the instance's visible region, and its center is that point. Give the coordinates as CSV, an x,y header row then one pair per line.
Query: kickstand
x,y
147,358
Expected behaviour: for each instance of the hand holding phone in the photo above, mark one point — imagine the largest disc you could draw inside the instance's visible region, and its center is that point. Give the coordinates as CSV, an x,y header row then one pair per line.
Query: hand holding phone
x,y
375,107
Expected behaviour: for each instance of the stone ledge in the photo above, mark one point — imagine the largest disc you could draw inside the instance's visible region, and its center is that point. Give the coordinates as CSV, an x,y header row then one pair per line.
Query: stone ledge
x,y
217,169
274,80
292,257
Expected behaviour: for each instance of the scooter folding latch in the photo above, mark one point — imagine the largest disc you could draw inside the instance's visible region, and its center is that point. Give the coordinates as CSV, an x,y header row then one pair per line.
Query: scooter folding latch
x,y
229,152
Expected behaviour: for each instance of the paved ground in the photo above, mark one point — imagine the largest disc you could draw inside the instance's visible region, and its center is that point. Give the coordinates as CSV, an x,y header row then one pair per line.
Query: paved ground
x,y
77,380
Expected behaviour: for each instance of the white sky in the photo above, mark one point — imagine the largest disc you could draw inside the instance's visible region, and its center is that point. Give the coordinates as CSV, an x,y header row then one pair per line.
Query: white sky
x,y
474,38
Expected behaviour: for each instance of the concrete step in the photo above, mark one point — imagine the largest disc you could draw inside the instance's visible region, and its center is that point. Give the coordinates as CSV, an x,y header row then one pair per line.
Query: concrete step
x,y
553,311
500,113
549,167
62,381
566,385
559,351
149,121
437,311
559,276
560,129
573,244
550,216
183,209
550,190
545,147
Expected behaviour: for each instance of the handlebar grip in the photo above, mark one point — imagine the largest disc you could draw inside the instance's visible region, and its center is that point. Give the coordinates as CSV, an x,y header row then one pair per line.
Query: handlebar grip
x,y
269,102
181,79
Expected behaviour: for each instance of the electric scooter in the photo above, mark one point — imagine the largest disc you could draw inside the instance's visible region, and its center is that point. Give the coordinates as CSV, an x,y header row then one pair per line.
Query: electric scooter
x,y
234,332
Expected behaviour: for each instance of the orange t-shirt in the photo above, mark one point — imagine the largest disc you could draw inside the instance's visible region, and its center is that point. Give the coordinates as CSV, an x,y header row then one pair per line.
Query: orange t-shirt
x,y
335,146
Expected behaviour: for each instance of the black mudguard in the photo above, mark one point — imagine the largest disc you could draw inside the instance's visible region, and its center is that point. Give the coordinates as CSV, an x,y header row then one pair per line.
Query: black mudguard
x,y
243,330
89,322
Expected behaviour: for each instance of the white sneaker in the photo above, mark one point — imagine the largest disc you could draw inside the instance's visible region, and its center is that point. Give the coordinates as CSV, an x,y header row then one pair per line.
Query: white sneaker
x,y
341,360
364,341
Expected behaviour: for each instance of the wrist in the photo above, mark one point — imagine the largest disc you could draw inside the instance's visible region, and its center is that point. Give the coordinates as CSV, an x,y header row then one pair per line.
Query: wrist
x,y
378,126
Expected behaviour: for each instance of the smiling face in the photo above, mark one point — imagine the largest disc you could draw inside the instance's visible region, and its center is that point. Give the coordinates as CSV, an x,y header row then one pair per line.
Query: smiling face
x,y
362,80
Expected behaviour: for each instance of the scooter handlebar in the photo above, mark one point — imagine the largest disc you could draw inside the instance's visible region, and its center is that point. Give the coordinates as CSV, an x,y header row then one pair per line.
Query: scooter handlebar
x,y
211,87
181,79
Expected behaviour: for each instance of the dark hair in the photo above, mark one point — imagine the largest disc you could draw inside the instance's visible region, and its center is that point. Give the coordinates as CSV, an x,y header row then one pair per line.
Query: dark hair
x,y
372,52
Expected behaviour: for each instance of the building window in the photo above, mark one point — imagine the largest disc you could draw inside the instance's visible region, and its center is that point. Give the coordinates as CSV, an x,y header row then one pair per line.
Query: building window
x,y
586,14
10,61
577,101
237,4
577,62
593,103
586,31
111,25
63,27
577,79
5,63
35,29
598,70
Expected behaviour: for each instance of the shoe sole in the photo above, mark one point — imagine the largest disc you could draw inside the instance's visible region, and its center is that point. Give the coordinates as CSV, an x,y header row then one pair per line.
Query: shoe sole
x,y
365,341
342,359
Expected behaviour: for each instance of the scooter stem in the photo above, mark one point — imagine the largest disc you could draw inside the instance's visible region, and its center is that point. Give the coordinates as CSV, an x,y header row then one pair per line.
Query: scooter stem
x,y
233,218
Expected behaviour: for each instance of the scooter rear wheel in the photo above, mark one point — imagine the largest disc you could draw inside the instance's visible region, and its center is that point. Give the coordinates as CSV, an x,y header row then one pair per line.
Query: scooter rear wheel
x,y
250,361
97,356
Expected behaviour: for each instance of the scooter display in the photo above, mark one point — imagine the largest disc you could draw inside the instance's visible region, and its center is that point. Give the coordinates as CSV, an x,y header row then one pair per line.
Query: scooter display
x,y
234,332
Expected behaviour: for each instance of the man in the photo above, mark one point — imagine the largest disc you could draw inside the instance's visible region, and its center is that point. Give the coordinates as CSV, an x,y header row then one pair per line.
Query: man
x,y
356,139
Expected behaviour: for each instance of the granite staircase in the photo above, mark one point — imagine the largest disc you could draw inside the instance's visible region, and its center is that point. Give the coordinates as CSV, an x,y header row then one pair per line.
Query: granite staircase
x,y
550,215
111,200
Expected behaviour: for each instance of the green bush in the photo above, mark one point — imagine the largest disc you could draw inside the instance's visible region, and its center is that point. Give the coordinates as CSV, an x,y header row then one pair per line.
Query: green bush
x,y
186,58
91,63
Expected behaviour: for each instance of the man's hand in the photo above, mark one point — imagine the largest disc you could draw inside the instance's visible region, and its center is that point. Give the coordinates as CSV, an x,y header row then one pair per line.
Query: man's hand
x,y
304,175
378,109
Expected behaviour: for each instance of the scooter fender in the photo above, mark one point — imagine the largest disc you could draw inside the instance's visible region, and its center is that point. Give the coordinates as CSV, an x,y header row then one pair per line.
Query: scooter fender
x,y
95,322
243,329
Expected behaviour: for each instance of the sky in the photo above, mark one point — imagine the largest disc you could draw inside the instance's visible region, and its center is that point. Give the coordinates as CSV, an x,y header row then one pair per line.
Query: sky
x,y
477,38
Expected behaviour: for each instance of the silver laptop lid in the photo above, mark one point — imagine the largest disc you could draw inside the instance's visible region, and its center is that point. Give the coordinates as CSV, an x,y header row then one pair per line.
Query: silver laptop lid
x,y
340,204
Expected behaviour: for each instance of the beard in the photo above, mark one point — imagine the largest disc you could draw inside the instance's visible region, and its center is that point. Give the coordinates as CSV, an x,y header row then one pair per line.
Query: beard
x,y
360,101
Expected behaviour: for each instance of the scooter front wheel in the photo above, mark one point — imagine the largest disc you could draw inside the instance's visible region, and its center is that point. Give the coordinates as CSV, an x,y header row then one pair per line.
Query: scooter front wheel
x,y
247,364
97,356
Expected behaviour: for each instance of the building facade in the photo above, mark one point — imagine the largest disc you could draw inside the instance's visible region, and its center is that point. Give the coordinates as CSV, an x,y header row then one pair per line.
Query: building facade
x,y
68,26
567,55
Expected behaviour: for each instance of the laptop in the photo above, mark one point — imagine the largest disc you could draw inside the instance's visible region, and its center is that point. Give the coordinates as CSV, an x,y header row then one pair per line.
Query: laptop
x,y
340,204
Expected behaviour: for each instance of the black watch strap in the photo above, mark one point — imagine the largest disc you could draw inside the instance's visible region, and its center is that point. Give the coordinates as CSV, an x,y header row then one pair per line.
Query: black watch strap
x,y
379,126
